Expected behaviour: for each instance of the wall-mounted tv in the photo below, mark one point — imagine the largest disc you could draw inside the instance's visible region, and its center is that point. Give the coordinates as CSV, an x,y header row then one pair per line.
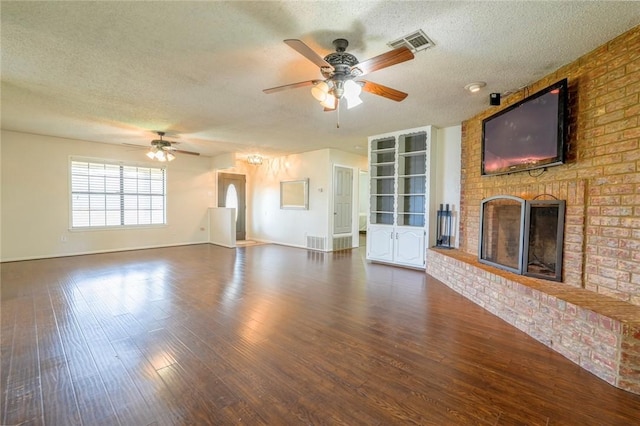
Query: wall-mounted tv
x,y
528,135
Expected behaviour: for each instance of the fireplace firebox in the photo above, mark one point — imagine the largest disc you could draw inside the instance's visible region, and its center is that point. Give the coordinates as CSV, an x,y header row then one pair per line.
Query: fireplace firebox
x,y
523,236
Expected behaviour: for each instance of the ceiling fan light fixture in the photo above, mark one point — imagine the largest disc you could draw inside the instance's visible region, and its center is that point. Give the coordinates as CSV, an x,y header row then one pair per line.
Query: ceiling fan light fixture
x,y
329,101
320,91
151,154
352,89
352,92
170,156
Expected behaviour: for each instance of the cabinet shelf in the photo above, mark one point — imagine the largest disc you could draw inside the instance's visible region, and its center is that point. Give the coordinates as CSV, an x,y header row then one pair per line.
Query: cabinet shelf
x,y
375,151
412,153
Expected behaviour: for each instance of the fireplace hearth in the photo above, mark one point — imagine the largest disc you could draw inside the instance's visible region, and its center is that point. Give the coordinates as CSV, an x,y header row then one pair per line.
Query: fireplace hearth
x,y
523,236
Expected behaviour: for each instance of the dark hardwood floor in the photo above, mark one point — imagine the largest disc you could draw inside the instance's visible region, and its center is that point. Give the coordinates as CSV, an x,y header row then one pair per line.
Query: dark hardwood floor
x,y
272,335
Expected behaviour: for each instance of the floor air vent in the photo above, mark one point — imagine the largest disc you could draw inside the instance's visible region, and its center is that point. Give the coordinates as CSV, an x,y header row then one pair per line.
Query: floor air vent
x,y
316,243
415,41
342,243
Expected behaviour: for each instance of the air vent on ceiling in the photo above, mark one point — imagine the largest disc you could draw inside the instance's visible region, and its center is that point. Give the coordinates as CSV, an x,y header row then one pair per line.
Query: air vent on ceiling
x,y
415,41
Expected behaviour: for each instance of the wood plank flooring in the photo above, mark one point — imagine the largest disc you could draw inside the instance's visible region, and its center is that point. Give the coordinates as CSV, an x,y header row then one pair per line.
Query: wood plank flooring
x,y
272,335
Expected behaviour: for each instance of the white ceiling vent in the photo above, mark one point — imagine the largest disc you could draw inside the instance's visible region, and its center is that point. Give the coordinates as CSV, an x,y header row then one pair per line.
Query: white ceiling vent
x,y
415,41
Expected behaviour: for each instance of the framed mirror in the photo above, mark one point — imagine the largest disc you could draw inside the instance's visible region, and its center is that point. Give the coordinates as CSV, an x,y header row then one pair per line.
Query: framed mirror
x,y
294,194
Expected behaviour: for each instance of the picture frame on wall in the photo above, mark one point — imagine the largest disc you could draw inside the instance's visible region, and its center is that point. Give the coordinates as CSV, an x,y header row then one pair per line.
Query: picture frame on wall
x,y
294,194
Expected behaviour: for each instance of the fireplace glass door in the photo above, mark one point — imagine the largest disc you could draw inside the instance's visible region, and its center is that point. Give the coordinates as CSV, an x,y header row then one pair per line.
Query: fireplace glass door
x,y
524,237
544,225
501,223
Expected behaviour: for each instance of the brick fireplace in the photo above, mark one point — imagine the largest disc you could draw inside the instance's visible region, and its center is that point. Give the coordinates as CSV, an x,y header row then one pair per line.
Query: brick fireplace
x,y
593,316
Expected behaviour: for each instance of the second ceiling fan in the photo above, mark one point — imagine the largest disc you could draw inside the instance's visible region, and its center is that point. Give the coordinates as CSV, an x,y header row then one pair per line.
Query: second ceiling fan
x,y
340,69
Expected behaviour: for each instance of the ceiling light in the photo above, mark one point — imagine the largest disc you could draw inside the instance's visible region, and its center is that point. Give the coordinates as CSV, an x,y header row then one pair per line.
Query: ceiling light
x,y
352,89
320,91
329,93
329,102
254,159
160,155
475,87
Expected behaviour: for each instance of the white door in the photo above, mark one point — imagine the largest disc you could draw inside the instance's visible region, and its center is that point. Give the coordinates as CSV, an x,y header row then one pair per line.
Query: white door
x,y
380,243
342,200
409,246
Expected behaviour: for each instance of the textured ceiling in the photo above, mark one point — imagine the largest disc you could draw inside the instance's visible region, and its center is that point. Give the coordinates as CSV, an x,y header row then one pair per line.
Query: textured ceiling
x,y
116,71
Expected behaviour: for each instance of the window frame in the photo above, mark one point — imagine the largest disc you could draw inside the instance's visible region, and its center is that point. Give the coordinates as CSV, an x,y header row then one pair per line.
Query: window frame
x,y
121,193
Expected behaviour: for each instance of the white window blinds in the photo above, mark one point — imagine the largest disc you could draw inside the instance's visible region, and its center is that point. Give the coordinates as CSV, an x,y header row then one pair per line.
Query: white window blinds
x,y
110,195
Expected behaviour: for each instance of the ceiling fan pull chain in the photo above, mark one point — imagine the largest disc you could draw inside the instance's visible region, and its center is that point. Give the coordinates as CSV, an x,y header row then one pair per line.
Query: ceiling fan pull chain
x,y
338,113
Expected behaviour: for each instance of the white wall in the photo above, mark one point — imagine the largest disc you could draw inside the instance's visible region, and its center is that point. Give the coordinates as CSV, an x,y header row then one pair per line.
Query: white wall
x,y
448,173
35,199
291,227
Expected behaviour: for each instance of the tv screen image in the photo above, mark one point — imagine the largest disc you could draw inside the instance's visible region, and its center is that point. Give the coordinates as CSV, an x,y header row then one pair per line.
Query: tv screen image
x,y
528,135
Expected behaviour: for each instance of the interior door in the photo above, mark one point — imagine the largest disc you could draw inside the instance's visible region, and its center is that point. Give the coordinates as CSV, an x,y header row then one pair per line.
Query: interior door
x,y
231,194
342,200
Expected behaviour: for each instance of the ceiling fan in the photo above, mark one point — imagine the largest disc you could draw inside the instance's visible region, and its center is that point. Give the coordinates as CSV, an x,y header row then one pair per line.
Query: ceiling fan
x,y
163,150
340,69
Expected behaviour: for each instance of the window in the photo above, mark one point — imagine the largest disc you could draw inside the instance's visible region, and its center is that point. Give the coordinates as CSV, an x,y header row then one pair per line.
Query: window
x,y
105,194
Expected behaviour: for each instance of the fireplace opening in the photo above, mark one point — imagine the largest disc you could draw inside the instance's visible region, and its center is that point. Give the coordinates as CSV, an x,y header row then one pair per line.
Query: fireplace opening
x,y
523,236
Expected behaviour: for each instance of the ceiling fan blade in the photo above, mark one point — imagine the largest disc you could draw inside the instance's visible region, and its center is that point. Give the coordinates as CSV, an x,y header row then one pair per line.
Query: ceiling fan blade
x,y
291,86
384,91
185,152
392,57
307,52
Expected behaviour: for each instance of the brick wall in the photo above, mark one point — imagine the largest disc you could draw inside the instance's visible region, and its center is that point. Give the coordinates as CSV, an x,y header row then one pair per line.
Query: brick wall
x,y
600,182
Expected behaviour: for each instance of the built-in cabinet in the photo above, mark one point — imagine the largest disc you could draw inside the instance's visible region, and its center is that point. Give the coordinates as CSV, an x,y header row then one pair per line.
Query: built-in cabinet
x,y
401,180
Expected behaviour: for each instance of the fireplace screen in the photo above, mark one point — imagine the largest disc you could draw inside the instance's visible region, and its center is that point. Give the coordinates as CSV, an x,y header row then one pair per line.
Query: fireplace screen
x,y
524,237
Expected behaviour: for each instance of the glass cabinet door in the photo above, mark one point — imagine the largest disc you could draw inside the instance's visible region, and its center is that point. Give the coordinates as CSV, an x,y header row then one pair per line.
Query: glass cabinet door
x,y
412,172
382,188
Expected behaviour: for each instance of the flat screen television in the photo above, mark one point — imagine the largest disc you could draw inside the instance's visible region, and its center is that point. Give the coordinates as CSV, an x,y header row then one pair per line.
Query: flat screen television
x,y
530,134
